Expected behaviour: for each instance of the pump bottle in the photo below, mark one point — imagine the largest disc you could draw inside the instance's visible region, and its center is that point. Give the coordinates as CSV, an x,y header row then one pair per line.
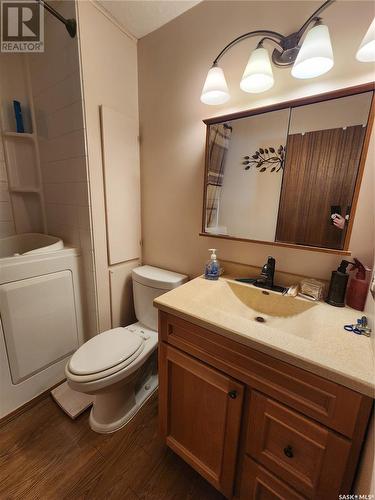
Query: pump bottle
x,y
338,284
212,269
358,287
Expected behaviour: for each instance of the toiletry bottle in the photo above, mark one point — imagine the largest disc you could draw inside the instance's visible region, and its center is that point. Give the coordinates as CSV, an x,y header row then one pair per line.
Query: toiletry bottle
x,y
358,287
338,284
18,116
212,270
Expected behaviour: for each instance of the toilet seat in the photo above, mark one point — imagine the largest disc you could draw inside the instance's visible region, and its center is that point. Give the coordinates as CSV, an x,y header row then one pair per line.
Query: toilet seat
x,y
105,354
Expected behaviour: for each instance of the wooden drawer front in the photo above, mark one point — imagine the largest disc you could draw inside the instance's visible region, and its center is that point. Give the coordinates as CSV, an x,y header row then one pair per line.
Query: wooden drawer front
x,y
200,415
329,403
304,454
259,484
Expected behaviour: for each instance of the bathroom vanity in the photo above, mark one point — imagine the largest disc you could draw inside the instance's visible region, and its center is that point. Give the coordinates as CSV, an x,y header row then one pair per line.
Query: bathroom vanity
x,y
262,409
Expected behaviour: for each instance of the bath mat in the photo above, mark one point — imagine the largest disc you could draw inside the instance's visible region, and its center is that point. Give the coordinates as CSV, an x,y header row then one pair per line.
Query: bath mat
x,y
73,403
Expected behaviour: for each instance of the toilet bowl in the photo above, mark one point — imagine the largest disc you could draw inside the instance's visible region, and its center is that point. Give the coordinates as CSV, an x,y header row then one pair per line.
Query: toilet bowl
x,y
119,366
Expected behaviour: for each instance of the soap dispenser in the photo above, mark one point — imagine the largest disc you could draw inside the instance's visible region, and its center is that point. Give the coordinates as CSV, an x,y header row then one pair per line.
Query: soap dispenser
x,y
338,284
358,287
212,269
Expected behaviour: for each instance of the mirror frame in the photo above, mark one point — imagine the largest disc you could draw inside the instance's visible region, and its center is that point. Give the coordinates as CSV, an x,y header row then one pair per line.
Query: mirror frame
x,y
326,96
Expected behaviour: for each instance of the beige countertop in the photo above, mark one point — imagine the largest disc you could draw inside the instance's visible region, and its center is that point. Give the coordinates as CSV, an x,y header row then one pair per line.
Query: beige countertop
x,y
314,339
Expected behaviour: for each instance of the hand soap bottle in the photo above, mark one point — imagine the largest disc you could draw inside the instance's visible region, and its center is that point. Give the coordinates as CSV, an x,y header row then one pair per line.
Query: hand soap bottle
x,y
358,287
338,284
212,269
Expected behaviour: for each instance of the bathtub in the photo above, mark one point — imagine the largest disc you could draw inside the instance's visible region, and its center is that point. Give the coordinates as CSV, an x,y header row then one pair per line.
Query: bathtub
x,y
40,315
29,244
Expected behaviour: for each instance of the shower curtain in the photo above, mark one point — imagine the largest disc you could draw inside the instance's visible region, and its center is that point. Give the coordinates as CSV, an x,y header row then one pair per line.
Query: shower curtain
x,y
218,144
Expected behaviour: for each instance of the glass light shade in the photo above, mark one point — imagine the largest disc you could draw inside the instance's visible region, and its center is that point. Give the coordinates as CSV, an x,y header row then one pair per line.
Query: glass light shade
x,y
315,56
366,51
258,75
215,89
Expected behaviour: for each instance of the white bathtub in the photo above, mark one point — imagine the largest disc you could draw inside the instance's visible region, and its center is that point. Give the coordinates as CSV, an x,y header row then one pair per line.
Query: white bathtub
x,y
29,243
41,315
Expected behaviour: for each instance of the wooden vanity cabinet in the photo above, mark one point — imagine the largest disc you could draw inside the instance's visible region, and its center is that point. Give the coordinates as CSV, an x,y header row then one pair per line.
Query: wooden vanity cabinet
x,y
200,412
253,426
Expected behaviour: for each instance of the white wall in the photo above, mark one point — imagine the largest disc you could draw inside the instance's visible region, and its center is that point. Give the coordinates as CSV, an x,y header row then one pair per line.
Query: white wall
x,y
346,111
173,63
109,72
250,199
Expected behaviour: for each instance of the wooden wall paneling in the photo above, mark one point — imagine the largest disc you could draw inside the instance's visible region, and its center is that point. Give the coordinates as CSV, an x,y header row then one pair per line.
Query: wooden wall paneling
x,y
328,161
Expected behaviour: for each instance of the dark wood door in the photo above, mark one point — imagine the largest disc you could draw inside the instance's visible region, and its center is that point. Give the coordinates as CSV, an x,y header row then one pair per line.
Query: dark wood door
x,y
320,172
200,415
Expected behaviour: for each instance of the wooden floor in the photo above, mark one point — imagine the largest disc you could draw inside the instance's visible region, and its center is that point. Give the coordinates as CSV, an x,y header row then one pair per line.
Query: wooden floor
x,y
45,455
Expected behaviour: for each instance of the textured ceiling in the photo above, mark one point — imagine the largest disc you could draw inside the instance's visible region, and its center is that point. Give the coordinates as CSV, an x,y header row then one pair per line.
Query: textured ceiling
x,y
140,17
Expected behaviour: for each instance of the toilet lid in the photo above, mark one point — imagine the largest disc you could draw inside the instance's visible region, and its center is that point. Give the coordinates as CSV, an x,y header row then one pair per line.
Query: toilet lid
x,y
105,351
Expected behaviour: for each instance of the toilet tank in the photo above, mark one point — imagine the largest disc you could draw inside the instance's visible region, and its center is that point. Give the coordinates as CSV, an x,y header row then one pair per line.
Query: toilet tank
x,y
148,283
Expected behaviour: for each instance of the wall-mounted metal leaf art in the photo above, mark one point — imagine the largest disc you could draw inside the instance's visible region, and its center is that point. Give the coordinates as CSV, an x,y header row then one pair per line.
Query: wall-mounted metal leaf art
x,y
266,159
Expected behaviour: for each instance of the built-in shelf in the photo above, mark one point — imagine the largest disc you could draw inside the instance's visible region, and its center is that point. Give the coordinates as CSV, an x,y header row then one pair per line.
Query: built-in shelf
x,y
24,189
19,135
22,157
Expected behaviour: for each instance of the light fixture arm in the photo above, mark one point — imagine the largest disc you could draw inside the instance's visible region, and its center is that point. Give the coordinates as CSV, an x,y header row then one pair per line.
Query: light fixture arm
x,y
314,17
288,47
245,36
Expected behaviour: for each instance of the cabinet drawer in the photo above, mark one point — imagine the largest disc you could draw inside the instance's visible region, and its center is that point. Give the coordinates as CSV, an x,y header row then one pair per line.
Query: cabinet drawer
x,y
309,457
327,402
259,484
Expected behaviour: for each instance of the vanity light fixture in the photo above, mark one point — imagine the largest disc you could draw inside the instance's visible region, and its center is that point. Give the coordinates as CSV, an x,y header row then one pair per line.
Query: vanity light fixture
x,y
315,57
366,51
258,74
215,90
308,50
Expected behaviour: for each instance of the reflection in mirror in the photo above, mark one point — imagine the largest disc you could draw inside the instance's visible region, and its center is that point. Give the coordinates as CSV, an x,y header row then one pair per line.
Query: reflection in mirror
x,y
287,176
323,152
244,175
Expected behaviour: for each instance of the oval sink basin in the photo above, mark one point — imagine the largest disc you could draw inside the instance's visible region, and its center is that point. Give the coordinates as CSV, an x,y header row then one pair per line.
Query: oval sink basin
x,y
269,303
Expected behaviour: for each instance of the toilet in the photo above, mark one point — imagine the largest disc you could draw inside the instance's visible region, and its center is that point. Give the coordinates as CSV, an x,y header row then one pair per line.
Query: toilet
x,y
119,366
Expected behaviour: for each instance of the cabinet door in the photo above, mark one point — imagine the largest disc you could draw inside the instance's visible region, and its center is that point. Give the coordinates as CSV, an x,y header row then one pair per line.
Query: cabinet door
x,y
200,415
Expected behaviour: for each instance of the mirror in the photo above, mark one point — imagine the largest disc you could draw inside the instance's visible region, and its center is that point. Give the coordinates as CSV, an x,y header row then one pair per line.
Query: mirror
x,y
287,176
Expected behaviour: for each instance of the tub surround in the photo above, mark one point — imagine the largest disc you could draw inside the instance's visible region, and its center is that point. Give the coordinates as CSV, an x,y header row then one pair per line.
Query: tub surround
x,y
314,340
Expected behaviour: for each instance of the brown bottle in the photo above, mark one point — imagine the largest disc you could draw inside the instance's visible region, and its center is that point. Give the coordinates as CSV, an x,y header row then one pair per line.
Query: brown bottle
x,y
358,287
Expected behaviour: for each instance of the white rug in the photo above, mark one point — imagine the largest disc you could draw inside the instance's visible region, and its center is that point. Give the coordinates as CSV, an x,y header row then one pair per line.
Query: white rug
x,y
73,403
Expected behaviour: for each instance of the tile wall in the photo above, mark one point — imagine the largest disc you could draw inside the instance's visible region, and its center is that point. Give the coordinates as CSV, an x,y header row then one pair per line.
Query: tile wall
x,y
7,227
58,103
